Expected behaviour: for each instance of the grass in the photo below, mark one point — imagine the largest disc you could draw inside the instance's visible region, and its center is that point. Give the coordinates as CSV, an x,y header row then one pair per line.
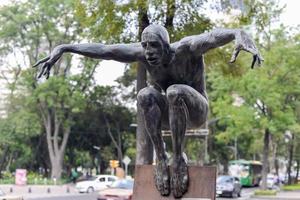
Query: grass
x,y
7,181
291,187
37,181
265,192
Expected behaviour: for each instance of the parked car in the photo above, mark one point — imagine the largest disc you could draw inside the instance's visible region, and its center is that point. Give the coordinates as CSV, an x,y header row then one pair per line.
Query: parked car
x,y
119,190
3,196
85,178
272,181
95,183
229,186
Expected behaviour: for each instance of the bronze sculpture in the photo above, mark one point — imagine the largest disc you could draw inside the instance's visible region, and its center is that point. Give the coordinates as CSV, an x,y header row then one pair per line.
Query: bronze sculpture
x,y
176,98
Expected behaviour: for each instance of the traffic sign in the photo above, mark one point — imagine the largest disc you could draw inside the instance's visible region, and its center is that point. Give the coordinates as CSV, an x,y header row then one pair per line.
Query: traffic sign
x,y
126,160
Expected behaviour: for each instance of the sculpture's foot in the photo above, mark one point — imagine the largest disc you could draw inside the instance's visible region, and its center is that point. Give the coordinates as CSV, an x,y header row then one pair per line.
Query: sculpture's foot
x,y
162,178
180,178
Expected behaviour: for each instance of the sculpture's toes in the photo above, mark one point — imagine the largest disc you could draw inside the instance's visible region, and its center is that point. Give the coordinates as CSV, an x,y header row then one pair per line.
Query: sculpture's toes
x,y
180,181
162,179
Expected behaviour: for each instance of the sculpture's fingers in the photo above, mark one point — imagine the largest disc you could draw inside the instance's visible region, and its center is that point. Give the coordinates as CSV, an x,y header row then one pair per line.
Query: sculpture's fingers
x,y
234,55
41,61
251,50
256,55
253,61
259,59
42,70
47,68
48,71
48,74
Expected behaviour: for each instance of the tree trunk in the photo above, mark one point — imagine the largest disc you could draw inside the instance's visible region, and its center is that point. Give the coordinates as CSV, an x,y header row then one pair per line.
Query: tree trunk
x,y
143,143
57,155
120,152
117,142
171,8
56,148
56,167
226,167
3,158
265,168
290,164
274,155
298,169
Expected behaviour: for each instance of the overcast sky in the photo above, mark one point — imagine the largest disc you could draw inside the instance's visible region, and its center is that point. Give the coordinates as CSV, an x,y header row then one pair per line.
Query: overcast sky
x,y
110,70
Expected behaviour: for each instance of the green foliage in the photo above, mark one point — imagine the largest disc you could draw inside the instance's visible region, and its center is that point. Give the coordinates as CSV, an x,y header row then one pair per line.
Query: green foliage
x,y
104,20
267,93
7,180
60,94
91,128
32,179
265,192
83,158
25,123
193,149
270,93
28,28
291,187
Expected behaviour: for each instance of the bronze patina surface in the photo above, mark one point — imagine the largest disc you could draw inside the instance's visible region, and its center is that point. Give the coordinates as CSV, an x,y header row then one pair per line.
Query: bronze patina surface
x,y
202,184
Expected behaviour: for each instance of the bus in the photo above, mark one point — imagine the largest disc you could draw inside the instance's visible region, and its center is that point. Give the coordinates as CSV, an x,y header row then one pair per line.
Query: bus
x,y
248,171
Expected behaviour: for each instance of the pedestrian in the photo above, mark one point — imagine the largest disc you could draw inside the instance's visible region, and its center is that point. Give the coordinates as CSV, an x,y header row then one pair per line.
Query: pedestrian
x,y
74,175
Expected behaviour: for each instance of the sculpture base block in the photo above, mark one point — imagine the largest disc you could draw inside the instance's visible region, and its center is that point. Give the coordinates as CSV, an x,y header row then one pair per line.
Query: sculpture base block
x,y
202,184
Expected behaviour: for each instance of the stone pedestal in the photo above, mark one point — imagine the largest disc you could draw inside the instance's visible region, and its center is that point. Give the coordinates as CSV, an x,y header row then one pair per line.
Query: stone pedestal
x,y
202,184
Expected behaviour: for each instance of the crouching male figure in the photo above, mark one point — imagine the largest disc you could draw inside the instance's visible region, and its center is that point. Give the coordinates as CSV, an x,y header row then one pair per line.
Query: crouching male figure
x,y
176,98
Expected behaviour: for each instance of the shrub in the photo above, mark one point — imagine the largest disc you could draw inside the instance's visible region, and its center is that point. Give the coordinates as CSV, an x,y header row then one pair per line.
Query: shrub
x,y
291,187
265,192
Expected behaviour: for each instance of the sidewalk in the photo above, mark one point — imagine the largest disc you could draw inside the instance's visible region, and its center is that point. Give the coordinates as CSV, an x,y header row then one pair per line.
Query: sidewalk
x,y
32,191
282,195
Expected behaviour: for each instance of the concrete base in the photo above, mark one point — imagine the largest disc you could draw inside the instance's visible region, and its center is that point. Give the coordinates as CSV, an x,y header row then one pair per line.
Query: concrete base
x,y
202,184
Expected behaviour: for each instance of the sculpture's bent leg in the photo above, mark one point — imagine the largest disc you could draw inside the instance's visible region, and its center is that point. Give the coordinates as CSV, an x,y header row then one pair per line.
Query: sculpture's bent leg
x,y
153,105
187,108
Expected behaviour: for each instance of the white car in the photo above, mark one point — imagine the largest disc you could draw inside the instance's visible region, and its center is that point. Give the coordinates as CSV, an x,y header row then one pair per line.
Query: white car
x,y
96,183
272,181
3,196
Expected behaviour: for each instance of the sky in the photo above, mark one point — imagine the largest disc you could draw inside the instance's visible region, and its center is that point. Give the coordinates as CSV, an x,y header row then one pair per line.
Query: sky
x,y
291,12
109,71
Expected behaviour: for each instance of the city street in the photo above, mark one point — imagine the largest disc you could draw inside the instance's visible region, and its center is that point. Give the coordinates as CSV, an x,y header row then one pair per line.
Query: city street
x,y
246,194
68,192
69,197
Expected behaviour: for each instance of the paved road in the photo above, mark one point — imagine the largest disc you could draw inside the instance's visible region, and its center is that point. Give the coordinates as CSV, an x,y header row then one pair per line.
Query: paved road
x,y
69,197
246,193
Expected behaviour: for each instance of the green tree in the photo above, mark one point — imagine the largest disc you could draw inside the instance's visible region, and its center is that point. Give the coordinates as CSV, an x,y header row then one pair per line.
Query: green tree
x,y
269,93
180,17
56,100
261,15
105,123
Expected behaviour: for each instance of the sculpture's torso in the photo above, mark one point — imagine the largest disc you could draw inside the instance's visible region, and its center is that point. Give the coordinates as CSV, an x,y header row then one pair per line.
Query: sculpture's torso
x,y
184,68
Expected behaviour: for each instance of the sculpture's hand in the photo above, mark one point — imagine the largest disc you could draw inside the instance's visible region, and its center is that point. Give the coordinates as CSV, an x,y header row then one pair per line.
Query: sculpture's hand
x,y
49,61
244,42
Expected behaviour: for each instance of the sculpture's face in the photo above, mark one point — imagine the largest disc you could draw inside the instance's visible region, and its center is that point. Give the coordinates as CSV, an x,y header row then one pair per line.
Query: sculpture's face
x,y
153,48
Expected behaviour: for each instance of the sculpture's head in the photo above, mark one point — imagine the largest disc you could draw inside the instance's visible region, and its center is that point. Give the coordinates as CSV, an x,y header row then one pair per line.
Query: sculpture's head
x,y
156,44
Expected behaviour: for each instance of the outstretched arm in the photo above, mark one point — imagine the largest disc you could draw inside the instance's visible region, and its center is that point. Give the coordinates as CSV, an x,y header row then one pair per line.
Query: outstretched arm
x,y
200,44
120,52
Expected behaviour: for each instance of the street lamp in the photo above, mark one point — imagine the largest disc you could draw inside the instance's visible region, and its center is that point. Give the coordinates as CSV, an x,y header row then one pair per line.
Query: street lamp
x,y
133,125
96,147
